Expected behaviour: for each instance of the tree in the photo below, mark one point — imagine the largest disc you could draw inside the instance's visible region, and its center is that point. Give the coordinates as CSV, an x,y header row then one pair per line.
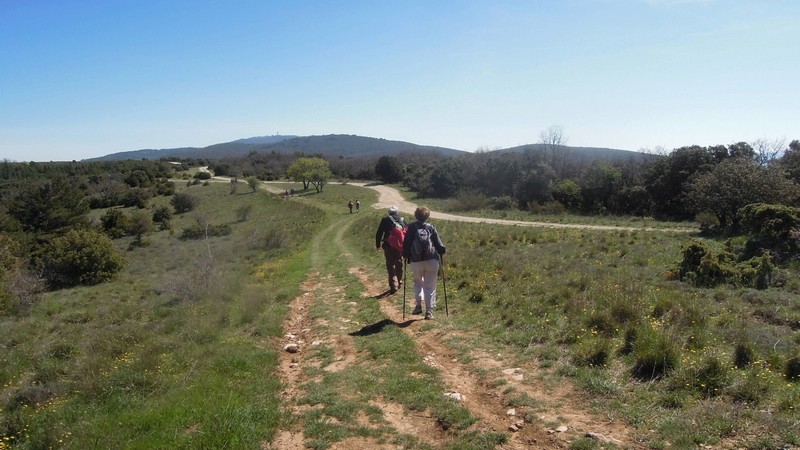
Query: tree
x,y
139,224
667,180
314,171
388,169
49,207
790,161
253,182
767,150
553,140
737,182
599,186
568,193
535,185
183,202
84,257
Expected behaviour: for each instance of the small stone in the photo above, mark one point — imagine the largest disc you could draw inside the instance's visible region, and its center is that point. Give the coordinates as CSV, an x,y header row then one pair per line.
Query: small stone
x,y
513,428
562,429
316,343
518,377
291,348
520,424
511,371
454,395
511,412
291,336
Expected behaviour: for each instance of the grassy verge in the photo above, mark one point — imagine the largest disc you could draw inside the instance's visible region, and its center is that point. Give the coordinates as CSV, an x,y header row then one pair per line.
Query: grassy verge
x,y
685,366
173,353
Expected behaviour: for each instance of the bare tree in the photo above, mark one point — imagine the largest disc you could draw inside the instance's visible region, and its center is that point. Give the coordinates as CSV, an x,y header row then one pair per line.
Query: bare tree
x,y
768,150
554,141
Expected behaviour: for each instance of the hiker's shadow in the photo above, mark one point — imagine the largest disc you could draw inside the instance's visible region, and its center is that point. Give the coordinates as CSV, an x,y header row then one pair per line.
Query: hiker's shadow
x,y
377,327
384,294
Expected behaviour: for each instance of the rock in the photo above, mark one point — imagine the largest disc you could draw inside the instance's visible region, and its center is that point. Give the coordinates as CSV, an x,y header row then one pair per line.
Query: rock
x,y
454,395
517,377
291,348
520,424
511,412
562,429
316,343
513,428
511,371
606,439
290,336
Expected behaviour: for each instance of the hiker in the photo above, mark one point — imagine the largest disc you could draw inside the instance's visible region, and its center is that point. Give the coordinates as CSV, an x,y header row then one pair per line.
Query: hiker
x,y
350,206
392,248
358,205
422,247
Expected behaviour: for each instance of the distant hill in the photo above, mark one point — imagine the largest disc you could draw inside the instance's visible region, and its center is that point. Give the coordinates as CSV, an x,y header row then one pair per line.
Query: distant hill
x,y
586,153
343,145
333,145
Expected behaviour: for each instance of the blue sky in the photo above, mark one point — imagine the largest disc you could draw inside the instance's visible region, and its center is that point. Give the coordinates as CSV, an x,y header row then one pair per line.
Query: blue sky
x,y
85,78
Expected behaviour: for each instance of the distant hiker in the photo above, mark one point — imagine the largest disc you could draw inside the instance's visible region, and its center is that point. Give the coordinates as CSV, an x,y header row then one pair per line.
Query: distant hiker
x,y
358,205
389,237
422,247
350,206
291,192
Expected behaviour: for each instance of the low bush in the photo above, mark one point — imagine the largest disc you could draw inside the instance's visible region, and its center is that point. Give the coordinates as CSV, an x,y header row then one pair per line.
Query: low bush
x,y
79,257
655,354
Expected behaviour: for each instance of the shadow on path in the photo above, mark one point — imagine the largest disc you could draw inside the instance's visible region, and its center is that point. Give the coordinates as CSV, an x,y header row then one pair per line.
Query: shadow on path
x,y
377,327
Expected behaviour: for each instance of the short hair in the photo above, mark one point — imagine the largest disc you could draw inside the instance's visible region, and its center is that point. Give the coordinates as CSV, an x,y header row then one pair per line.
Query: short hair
x,y
422,213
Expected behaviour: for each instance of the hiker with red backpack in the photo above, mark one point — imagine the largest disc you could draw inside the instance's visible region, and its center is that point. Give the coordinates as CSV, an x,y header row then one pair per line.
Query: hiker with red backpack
x,y
422,247
389,237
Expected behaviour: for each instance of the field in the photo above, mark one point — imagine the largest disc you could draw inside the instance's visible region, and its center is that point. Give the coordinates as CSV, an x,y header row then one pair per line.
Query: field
x,y
184,349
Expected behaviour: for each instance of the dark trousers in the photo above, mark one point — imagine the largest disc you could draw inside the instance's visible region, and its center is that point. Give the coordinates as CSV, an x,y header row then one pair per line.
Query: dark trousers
x,y
394,266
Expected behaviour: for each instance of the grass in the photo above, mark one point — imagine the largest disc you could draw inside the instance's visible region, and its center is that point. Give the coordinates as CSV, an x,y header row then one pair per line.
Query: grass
x,y
180,349
601,308
172,353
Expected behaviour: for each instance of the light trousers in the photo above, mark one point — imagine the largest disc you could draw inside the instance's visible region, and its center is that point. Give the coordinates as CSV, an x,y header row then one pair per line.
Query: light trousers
x,y
425,273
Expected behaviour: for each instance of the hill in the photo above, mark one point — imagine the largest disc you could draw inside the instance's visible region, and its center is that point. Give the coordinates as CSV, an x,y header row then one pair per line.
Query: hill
x,y
334,145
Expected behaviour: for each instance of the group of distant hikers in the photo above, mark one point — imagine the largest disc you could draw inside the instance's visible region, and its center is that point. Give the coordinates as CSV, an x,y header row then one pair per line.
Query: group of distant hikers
x,y
417,243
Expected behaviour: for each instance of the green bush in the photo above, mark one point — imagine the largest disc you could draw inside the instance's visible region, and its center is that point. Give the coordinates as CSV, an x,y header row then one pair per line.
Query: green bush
x,y
114,222
200,231
183,202
80,257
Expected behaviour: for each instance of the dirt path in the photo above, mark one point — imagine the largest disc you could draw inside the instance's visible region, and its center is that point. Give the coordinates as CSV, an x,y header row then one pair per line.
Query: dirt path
x,y
506,398
390,196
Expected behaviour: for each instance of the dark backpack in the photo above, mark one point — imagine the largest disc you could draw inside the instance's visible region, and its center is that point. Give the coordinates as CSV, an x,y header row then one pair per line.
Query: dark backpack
x,y
397,235
422,246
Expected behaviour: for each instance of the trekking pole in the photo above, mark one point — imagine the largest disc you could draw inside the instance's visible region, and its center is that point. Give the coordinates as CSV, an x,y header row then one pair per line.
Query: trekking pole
x,y
405,270
444,286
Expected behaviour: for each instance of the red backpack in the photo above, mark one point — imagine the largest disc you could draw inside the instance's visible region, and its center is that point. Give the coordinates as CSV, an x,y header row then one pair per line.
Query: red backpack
x,y
397,235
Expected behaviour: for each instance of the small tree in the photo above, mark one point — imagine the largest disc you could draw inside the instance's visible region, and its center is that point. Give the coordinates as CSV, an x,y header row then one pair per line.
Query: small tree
x,y
140,223
114,223
49,207
310,171
163,216
388,169
253,182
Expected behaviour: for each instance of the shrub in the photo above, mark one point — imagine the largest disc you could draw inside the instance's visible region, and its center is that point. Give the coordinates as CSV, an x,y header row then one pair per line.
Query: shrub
x,y
137,197
202,175
183,202
792,368
79,257
592,352
743,355
199,230
503,203
114,223
711,377
163,217
655,354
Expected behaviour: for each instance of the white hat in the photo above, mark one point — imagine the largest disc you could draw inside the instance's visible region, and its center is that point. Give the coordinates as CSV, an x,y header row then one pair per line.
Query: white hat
x,y
393,209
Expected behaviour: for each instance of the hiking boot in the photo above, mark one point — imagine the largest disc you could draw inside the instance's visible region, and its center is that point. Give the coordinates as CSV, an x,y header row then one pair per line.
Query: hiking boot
x,y
417,310
428,315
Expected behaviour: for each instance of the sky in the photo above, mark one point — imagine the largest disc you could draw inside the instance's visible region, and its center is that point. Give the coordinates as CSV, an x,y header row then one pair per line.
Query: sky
x,y
86,78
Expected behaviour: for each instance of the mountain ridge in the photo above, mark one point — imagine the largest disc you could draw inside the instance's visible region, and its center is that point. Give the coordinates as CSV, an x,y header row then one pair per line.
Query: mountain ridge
x,y
330,145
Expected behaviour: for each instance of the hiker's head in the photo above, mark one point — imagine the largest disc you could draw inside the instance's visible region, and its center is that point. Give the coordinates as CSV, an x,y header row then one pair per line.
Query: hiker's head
x,y
393,210
422,213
